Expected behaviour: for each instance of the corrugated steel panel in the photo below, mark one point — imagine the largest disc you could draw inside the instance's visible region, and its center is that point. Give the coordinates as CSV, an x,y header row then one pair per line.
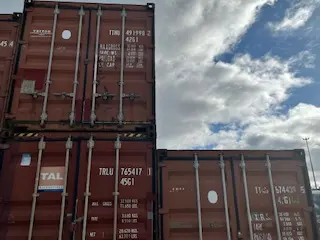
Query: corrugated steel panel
x,y
30,207
121,173
86,65
9,36
247,198
89,187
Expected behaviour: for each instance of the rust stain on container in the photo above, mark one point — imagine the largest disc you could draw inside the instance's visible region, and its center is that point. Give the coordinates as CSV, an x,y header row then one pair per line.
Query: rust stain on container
x,y
80,67
9,36
90,164
248,191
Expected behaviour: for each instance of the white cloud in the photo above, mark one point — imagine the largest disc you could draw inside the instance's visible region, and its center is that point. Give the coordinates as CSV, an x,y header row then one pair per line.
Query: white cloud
x,y
296,16
242,91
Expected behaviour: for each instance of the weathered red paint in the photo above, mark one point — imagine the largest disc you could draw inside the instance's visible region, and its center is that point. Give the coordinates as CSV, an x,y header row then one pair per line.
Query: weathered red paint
x,y
9,35
17,187
138,74
290,189
134,210
135,197
292,195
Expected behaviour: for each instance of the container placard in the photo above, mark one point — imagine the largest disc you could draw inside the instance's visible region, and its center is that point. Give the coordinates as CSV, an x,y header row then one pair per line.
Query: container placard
x,y
51,179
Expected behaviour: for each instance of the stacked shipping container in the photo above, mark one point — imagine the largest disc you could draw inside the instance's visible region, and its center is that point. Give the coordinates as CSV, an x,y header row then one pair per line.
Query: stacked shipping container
x,y
77,100
9,36
81,120
235,195
85,65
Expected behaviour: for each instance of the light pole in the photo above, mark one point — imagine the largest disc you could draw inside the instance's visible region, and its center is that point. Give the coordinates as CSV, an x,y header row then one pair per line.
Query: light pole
x,y
314,176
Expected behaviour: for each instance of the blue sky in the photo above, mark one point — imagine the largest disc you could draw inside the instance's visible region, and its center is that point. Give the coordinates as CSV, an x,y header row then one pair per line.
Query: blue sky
x,y
260,40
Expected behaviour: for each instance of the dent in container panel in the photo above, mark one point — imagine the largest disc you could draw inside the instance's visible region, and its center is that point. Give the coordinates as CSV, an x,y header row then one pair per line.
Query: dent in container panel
x,y
196,196
81,66
273,194
9,36
116,182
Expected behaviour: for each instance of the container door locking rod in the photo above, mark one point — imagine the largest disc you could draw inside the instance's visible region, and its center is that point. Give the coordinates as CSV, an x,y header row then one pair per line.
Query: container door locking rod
x,y
65,180
44,115
121,83
196,168
87,193
244,176
73,95
225,195
35,194
117,146
45,94
273,195
93,116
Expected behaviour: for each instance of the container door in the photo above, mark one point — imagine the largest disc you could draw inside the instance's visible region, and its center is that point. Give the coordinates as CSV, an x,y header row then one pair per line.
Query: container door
x,y
9,33
272,192
197,200
36,190
122,87
52,67
115,190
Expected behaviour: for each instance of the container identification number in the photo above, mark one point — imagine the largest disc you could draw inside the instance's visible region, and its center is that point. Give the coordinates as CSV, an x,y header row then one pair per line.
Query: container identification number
x,y
130,32
127,172
123,171
6,43
131,171
279,189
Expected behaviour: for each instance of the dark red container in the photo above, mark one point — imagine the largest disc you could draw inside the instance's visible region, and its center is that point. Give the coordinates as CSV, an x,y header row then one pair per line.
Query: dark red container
x,y
80,68
9,36
235,200
87,206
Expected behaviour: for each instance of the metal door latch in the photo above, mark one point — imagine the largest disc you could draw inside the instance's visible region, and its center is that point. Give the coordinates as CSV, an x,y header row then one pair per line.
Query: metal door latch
x,y
130,96
105,95
36,94
63,94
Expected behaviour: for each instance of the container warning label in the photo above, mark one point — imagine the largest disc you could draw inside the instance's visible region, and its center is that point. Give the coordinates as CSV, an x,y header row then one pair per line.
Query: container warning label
x,y
51,179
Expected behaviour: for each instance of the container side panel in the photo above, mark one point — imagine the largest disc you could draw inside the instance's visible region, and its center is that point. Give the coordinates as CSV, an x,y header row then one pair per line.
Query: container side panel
x,y
134,204
17,184
180,214
290,197
137,65
34,67
9,33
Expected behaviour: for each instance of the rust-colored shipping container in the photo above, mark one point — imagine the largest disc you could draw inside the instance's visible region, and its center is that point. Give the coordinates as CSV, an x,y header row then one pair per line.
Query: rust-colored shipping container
x,y
85,66
9,36
82,186
235,195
